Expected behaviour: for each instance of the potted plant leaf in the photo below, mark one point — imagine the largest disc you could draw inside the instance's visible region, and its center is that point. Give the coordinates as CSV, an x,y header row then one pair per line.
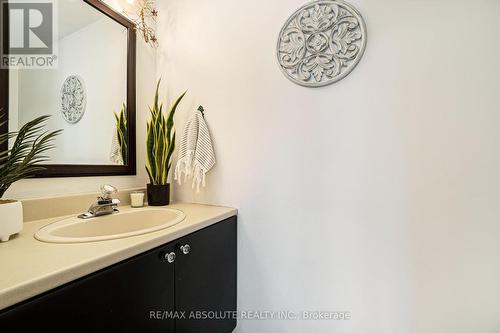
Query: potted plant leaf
x,y
31,143
160,145
122,133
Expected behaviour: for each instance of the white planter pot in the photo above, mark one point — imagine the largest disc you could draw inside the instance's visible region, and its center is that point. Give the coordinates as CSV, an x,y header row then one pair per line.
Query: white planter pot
x,y
11,219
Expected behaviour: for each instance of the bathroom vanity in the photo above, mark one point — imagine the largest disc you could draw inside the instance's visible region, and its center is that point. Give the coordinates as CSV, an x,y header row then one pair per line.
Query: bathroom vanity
x,y
72,270
181,279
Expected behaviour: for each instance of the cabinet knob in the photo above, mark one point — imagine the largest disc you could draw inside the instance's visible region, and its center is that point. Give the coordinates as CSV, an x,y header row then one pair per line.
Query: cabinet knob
x,y
185,249
169,257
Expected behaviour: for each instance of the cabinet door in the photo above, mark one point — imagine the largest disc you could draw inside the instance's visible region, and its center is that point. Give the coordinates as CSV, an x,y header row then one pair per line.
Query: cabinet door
x,y
206,279
130,296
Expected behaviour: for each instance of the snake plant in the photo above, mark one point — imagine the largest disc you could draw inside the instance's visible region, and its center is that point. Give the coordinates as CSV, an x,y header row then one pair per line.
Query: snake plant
x,y
122,133
160,141
27,152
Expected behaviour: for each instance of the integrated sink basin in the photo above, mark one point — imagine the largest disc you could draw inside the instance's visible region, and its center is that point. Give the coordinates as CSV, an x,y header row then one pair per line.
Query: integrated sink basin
x,y
122,224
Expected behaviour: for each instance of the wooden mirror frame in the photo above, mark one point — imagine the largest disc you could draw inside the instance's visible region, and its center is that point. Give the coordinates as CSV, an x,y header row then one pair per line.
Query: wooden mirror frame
x,y
85,170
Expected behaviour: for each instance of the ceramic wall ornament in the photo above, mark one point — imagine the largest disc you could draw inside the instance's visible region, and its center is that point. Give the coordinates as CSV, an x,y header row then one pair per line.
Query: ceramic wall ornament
x,y
73,99
321,43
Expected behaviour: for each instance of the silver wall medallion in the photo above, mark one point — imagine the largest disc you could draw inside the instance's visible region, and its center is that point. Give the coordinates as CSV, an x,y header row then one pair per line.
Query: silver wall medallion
x,y
321,43
73,99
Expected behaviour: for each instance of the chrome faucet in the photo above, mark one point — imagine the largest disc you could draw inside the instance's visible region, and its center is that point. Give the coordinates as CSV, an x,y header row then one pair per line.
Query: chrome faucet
x,y
104,205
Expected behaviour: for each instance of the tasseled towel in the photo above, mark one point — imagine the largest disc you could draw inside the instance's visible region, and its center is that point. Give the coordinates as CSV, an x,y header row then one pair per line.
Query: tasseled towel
x,y
115,156
196,152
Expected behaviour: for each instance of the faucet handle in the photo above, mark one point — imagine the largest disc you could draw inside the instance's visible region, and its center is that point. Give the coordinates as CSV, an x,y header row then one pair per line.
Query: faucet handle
x,y
107,191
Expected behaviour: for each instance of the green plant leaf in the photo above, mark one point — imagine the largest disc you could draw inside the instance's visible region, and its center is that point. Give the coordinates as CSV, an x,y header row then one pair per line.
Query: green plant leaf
x,y
160,140
26,154
122,132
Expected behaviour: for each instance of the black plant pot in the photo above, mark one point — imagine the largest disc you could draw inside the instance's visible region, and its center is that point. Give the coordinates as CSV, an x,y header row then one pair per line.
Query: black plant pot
x,y
158,195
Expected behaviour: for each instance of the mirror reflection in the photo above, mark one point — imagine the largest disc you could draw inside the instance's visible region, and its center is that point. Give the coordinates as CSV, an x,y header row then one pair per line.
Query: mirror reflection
x,y
85,95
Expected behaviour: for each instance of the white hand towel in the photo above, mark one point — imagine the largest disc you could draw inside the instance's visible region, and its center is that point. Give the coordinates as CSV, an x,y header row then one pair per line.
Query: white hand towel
x,y
196,152
115,156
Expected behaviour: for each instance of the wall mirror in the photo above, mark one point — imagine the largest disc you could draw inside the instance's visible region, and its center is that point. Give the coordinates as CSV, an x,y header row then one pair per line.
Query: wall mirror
x,y
94,80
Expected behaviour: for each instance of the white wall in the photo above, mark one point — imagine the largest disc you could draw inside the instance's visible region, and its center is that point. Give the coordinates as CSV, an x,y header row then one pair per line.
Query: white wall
x,y
13,99
98,54
146,74
377,195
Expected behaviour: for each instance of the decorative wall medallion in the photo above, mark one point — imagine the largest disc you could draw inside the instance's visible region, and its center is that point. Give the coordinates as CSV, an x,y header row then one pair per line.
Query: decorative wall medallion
x,y
73,99
321,43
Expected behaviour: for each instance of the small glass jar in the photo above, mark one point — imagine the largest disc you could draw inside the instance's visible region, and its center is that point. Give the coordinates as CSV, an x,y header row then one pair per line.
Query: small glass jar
x,y
137,199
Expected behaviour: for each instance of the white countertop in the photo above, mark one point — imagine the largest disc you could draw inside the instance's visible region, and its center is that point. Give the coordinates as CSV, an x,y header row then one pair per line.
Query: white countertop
x,y
30,267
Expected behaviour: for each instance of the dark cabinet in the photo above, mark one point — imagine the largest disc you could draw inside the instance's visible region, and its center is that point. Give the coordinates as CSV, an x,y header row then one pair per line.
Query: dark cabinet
x,y
188,285
205,280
